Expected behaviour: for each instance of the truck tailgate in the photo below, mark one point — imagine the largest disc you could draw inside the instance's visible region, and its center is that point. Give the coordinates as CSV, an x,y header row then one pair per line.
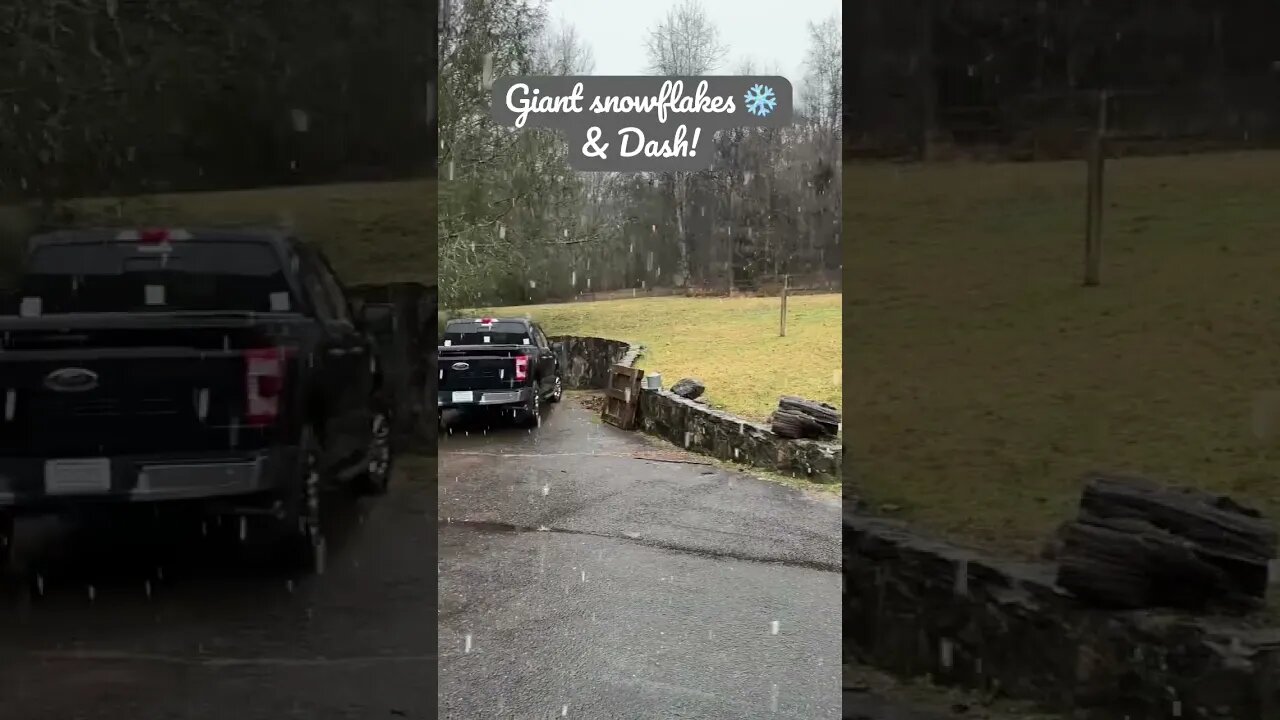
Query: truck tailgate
x,y
478,368
112,391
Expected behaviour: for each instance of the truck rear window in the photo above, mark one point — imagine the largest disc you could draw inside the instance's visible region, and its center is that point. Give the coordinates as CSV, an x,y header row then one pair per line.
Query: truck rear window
x,y
193,275
499,333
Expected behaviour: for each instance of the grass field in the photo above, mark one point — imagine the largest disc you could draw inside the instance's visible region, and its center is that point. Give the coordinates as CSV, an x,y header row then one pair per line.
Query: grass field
x,y
372,232
987,380
732,345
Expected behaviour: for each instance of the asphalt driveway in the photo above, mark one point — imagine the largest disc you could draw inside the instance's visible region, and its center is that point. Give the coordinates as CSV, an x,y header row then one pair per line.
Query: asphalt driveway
x,y
589,572
128,626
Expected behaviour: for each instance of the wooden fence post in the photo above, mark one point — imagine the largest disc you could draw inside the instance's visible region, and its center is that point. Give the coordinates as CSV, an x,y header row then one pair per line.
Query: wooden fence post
x,y
782,326
1093,219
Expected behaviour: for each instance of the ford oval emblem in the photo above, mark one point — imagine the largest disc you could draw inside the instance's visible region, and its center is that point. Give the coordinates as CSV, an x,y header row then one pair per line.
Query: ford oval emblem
x,y
460,366
71,379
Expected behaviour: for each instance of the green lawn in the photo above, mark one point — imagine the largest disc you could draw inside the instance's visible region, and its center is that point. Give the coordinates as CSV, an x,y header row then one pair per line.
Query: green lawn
x,y
373,232
987,379
732,345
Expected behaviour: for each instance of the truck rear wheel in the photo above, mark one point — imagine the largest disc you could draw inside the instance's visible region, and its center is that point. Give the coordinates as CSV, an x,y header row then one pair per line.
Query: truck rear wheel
x,y
533,410
377,476
302,544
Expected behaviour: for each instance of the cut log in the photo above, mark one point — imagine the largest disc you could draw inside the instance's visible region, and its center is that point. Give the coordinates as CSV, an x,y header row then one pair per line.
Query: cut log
x,y
788,424
1217,525
822,412
1127,563
819,419
1140,544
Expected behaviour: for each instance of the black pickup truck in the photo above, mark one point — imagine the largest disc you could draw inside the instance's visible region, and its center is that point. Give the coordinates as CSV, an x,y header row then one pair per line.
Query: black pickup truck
x,y
223,372
503,364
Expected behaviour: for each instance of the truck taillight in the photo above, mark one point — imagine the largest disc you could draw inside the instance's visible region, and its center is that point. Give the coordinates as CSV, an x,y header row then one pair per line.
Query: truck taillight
x,y
522,368
264,382
153,239
153,236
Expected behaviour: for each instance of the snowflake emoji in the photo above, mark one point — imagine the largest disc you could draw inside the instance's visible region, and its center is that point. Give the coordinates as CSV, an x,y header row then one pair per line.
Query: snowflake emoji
x,y
760,100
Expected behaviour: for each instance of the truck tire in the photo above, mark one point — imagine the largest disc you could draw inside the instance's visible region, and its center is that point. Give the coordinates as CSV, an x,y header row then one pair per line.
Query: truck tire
x,y
302,545
532,413
377,476
558,391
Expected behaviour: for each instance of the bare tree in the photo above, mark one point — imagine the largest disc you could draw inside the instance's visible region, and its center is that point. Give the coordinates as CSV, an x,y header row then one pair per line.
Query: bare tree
x,y
686,42
821,98
562,51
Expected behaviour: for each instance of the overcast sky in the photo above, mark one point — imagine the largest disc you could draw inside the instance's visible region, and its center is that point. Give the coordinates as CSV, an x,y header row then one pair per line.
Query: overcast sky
x,y
771,33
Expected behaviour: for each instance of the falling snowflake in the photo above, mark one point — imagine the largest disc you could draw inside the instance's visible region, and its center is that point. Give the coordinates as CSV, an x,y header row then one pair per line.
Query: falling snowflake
x,y
760,100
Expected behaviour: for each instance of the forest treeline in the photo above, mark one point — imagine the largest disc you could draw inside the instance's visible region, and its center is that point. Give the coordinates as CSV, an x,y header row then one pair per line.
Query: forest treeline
x,y
1027,75
130,96
517,224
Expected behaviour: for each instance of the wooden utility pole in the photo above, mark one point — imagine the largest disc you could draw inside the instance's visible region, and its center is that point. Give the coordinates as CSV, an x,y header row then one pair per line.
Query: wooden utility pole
x,y
782,326
1093,211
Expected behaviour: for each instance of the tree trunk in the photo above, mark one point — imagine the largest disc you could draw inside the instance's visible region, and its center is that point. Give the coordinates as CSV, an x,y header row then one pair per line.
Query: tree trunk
x,y
682,265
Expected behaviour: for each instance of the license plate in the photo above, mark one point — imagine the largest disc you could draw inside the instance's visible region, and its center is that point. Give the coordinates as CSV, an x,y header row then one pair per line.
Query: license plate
x,y
463,396
82,475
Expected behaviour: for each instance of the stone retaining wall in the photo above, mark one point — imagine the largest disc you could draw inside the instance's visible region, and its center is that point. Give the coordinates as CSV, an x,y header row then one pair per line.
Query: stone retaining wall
x,y
918,607
695,426
585,361
699,428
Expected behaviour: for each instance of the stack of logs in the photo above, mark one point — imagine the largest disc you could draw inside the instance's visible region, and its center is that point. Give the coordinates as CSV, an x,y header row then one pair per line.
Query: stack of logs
x,y
1139,544
800,418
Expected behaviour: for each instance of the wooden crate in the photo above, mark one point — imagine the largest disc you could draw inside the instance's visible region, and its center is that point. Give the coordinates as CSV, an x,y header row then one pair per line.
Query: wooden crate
x,y
622,396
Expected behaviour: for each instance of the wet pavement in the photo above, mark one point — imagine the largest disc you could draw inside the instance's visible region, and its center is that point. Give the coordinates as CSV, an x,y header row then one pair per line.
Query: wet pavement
x,y
588,572
864,702
130,626
869,706
873,695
